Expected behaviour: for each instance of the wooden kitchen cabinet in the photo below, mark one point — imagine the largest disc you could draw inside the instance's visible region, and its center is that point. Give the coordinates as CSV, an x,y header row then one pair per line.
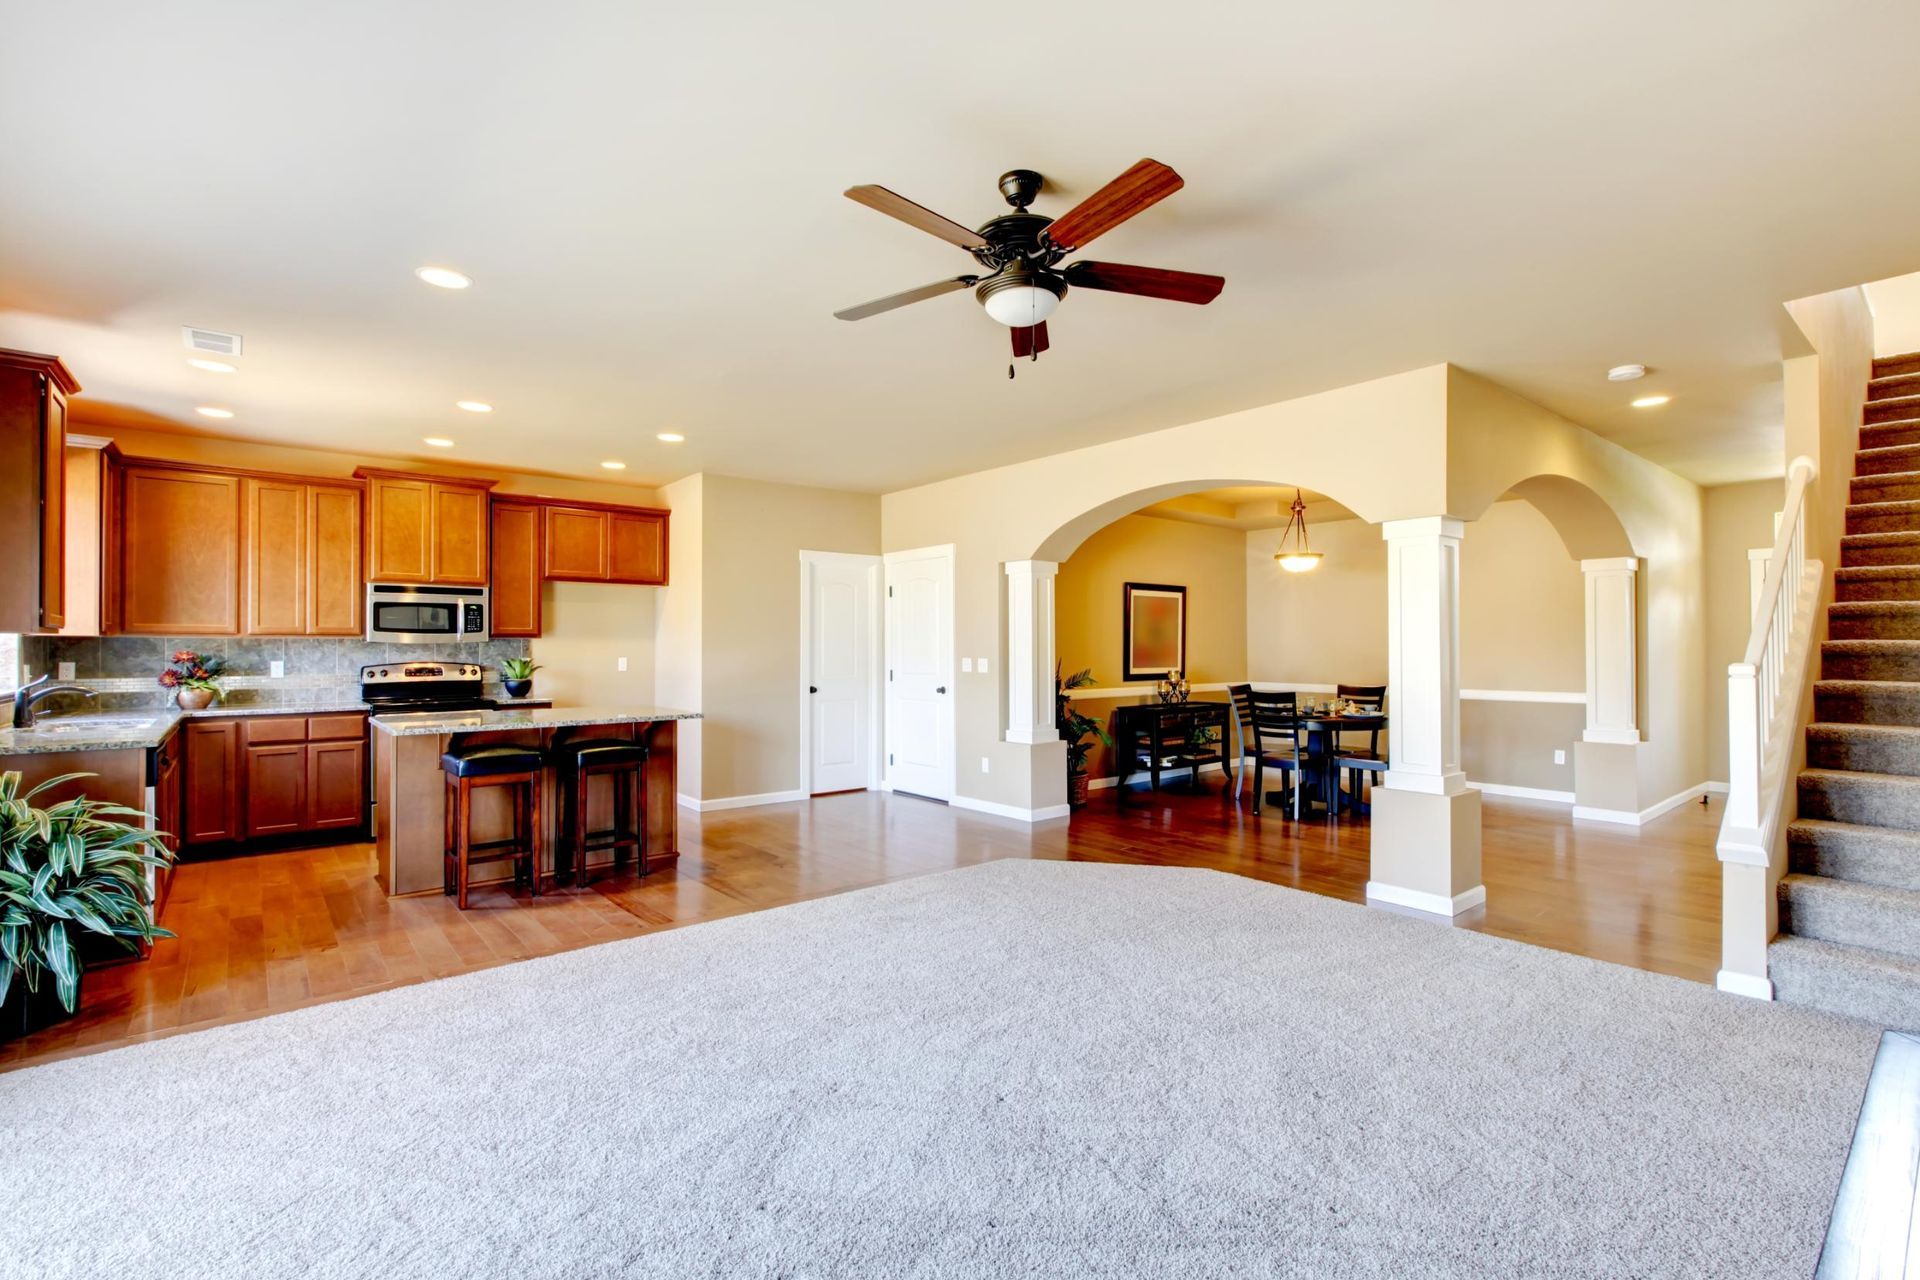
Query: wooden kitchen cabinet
x,y
33,481
210,782
592,542
302,550
517,557
336,785
276,788
166,768
177,542
422,528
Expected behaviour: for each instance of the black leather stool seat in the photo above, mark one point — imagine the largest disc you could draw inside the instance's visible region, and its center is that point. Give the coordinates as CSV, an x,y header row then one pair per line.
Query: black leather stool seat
x,y
487,762
594,752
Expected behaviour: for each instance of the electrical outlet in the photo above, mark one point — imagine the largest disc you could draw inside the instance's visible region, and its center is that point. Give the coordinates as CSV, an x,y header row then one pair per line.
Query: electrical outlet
x,y
1559,757
621,665
981,667
277,669
986,765
966,664
66,671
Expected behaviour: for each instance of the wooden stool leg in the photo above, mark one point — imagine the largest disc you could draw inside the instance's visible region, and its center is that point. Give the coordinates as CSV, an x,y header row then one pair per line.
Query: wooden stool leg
x,y
639,776
533,833
463,836
622,815
446,835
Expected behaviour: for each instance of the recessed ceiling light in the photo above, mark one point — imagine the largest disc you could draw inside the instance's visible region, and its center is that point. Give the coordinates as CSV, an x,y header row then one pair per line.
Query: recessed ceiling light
x,y
208,411
444,277
670,437
1651,402
1626,372
213,366
473,406
614,464
438,442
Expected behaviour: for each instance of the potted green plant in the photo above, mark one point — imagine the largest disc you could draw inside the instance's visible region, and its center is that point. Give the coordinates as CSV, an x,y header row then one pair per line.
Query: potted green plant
x,y
1074,730
66,870
517,675
193,678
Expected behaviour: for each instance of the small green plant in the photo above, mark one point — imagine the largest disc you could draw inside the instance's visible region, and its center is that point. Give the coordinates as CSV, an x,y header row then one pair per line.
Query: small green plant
x,y
70,865
518,668
1073,726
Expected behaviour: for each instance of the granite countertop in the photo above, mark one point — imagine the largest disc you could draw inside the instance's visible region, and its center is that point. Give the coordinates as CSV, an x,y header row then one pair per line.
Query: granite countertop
x,y
508,718
144,730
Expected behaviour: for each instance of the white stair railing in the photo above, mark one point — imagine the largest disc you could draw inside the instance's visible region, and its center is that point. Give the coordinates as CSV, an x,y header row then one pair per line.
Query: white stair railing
x,y
1766,690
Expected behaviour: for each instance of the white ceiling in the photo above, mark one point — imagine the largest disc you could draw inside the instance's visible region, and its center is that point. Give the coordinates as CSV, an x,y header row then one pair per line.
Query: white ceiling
x,y
648,197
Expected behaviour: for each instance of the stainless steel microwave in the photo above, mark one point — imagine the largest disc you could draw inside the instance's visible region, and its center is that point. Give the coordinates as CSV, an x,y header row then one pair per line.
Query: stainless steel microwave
x,y
404,613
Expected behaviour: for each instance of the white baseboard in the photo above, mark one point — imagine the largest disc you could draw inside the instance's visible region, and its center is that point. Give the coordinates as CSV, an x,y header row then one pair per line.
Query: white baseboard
x,y
1108,784
1523,793
1628,818
740,802
1432,903
1047,814
1743,984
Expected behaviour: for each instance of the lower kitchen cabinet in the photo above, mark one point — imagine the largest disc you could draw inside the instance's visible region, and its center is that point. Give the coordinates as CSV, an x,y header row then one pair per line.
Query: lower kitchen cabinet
x,y
291,776
167,768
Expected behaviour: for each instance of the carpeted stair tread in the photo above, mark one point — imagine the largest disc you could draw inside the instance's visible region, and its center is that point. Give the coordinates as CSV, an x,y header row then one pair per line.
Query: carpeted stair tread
x,y
1880,548
1872,799
1880,435
1874,620
1855,982
1877,661
1893,385
1867,701
1891,459
1889,366
1877,581
1864,748
1851,914
1897,486
1891,409
1849,851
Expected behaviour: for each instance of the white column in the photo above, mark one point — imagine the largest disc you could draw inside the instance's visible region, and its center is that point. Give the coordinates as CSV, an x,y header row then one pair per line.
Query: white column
x,y
1423,654
1426,822
1030,655
1613,690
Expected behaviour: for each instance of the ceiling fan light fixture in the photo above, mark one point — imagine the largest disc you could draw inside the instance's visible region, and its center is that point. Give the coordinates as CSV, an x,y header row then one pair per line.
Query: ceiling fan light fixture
x,y
1020,299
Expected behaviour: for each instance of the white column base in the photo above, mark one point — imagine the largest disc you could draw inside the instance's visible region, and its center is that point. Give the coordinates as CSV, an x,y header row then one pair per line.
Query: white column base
x,y
1743,984
1031,736
1426,851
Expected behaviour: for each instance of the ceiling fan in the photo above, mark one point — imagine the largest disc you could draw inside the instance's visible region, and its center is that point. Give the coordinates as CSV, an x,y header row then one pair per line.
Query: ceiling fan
x,y
1023,251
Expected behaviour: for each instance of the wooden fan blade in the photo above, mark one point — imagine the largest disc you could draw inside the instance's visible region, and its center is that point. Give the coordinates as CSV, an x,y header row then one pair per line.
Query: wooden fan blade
x,y
893,300
1146,184
1148,282
1029,340
898,206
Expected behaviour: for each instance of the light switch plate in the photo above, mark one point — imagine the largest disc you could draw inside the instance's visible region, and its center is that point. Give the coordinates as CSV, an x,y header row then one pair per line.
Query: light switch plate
x,y
277,669
985,764
622,666
982,667
1559,757
66,671
966,664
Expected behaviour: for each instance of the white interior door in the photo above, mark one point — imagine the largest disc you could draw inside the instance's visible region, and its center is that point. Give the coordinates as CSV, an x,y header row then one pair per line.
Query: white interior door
x,y
920,672
840,671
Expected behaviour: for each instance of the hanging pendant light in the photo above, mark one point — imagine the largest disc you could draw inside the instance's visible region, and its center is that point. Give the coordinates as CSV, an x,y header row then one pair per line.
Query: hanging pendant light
x,y
1300,558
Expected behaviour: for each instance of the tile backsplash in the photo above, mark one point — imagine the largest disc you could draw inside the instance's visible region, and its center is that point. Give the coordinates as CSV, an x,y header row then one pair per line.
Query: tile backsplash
x,y
125,667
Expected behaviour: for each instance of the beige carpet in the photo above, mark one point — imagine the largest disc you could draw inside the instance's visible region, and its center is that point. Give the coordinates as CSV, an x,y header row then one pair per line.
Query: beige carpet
x,y
1032,1069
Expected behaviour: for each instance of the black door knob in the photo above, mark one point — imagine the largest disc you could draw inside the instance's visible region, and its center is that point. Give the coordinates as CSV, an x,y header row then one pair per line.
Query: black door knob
x,y
813,688
941,689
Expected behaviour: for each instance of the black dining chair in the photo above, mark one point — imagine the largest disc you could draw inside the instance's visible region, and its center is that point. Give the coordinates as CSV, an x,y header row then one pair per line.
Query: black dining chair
x,y
1360,764
1276,742
1242,695
1372,694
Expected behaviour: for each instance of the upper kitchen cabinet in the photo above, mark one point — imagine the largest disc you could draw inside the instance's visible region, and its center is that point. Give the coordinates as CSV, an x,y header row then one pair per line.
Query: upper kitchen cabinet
x,y
423,528
302,551
517,557
176,551
33,461
595,542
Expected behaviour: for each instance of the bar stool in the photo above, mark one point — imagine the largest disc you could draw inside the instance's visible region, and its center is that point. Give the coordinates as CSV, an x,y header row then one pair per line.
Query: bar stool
x,y
502,765
624,763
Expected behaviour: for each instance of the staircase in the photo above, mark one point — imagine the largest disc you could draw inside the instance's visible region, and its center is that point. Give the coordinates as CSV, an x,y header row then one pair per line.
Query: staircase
x,y
1849,937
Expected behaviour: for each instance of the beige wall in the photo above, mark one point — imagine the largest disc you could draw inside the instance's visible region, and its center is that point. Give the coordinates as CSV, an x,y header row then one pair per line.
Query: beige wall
x,y
1739,517
589,627
1206,559
81,524
1896,315
752,536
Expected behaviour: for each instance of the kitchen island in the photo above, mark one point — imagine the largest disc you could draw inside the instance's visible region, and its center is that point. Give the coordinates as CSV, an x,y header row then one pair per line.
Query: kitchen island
x,y
409,788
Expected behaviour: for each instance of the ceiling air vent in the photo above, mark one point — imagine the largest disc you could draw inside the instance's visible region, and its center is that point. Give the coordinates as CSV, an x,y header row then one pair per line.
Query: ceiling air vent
x,y
212,340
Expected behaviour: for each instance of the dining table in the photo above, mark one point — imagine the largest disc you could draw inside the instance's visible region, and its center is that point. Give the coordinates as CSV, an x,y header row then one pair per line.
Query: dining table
x,y
1324,730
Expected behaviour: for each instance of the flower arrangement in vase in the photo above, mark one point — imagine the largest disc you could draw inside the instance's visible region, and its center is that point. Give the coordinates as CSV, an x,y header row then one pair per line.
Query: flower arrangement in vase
x,y
193,678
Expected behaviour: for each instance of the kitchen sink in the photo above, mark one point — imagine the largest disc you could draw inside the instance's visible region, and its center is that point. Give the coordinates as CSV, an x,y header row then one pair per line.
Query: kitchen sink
x,y
90,725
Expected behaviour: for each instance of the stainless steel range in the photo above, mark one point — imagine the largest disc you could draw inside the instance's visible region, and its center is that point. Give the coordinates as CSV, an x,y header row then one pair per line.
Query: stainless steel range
x,y
395,688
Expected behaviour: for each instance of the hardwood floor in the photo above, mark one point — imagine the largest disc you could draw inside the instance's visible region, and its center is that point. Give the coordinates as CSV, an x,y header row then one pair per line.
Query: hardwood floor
x,y
272,932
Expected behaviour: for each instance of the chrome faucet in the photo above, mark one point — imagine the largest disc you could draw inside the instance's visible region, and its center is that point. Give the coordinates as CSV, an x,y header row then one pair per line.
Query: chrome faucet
x,y
30,695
